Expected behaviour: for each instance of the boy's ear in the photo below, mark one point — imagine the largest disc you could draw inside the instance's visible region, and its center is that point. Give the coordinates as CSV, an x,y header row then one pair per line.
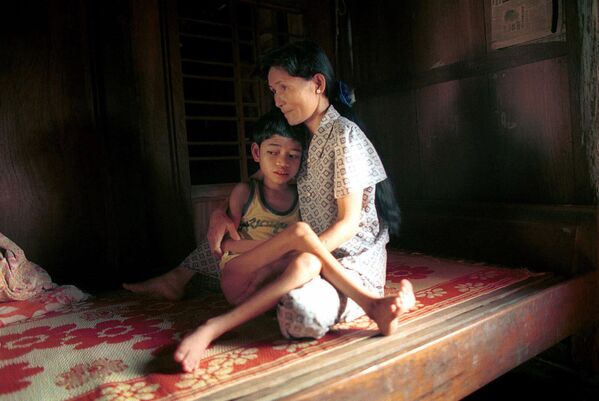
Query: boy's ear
x,y
256,152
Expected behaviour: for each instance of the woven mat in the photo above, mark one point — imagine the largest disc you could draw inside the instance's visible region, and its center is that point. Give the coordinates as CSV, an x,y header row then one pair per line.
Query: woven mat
x,y
120,348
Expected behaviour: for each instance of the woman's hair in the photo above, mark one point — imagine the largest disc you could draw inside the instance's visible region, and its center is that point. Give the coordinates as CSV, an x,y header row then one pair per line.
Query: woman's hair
x,y
274,123
304,59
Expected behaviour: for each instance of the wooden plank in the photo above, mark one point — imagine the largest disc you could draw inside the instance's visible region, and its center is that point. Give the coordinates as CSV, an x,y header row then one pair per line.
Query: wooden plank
x,y
344,360
531,134
52,163
460,355
390,122
511,57
435,21
454,140
558,238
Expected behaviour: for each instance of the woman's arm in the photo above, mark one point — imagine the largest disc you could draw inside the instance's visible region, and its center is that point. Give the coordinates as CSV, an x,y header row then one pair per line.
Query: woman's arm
x,y
222,223
347,224
240,246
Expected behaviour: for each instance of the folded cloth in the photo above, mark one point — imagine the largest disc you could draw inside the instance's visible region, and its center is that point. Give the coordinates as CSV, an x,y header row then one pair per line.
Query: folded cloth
x,y
20,279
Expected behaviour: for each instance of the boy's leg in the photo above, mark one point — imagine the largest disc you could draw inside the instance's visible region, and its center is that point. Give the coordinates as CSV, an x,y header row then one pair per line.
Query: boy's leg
x,y
237,287
301,270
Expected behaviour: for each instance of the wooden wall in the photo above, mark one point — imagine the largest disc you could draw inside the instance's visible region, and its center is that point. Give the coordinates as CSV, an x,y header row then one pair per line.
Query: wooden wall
x,y
90,181
477,141
483,146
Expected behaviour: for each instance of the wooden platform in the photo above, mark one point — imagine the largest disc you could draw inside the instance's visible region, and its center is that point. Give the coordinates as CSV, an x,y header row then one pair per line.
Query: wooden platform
x,y
443,356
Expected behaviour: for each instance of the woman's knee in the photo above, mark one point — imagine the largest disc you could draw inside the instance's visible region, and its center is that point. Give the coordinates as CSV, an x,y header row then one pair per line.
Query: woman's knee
x,y
301,314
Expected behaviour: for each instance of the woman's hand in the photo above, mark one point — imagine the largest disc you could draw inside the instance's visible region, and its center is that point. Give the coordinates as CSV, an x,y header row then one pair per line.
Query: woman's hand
x,y
220,224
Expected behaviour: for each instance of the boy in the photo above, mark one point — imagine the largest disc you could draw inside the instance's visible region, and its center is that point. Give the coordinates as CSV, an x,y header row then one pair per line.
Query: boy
x,y
277,253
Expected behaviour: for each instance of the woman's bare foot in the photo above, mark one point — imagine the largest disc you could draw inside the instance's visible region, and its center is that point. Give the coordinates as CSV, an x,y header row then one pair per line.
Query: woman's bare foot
x,y
190,351
386,311
170,285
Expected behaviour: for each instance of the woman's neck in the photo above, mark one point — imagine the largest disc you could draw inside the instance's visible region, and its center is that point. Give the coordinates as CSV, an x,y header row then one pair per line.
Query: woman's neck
x,y
314,122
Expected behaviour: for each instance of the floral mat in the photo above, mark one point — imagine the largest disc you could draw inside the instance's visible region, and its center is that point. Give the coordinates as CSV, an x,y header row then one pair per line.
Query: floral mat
x,y
120,348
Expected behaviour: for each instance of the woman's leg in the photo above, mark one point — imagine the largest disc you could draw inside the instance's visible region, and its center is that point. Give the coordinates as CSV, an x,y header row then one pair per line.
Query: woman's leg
x,y
383,310
171,285
302,269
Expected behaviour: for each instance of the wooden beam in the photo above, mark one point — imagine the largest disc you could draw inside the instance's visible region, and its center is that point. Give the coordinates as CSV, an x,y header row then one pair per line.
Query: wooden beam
x,y
453,358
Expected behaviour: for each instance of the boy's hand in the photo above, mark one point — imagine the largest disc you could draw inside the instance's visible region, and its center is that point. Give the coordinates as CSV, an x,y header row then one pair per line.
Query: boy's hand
x,y
220,224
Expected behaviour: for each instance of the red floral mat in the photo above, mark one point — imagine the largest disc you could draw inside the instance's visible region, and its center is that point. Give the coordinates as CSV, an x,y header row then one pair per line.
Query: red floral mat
x,y
121,348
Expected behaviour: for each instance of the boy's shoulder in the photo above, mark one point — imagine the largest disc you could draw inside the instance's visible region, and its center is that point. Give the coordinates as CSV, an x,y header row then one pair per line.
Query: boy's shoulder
x,y
241,188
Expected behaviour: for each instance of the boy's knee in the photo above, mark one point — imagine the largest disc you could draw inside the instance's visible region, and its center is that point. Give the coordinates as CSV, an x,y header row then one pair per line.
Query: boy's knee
x,y
305,265
301,229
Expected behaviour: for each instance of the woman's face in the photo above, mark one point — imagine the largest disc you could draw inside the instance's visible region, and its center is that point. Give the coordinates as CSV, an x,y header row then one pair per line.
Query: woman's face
x,y
298,98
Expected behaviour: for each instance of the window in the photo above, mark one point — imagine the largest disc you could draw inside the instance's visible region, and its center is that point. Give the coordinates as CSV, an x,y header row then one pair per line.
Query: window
x,y
220,41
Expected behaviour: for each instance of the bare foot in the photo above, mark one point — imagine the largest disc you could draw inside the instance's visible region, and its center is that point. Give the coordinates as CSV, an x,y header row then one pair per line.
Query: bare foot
x,y
386,311
189,352
170,285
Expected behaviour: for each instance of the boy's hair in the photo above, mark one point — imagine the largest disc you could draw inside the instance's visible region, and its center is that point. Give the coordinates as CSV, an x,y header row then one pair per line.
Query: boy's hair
x,y
274,123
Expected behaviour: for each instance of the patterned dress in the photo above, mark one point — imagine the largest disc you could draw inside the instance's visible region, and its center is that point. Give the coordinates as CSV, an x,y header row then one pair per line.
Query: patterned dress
x,y
340,161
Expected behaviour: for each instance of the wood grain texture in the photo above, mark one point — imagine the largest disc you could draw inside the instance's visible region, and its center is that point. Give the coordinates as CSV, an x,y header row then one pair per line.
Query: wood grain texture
x,y
454,141
446,32
91,178
533,137
51,170
443,356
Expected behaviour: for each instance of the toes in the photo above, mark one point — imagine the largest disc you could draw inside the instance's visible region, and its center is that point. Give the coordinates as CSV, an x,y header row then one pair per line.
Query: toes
x,y
180,355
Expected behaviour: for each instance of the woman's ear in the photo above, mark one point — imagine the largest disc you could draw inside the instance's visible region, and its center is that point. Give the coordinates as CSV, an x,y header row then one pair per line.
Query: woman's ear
x,y
256,152
320,81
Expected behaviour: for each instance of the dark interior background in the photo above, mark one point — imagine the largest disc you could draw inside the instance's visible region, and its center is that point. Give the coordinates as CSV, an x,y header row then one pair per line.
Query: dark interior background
x,y
484,146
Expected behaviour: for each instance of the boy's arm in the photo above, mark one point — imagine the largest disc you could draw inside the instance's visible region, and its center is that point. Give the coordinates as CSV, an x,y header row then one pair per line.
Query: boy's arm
x,y
220,224
238,198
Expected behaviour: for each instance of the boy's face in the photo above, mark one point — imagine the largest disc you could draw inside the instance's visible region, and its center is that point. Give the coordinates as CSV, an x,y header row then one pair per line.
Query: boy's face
x,y
279,158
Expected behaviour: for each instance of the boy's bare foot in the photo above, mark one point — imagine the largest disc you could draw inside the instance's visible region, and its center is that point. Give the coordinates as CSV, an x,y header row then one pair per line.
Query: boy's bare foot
x,y
386,311
170,285
190,351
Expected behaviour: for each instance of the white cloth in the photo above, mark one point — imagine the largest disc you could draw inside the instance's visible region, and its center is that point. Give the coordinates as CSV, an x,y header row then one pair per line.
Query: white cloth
x,y
20,279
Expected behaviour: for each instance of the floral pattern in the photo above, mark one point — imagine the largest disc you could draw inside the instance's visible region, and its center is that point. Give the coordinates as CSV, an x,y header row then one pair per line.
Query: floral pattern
x,y
409,272
18,344
129,392
17,373
84,372
465,287
46,303
293,346
114,331
121,348
217,369
431,293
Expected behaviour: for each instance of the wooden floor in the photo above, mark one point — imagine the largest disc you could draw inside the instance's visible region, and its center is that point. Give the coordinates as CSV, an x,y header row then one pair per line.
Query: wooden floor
x,y
550,376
